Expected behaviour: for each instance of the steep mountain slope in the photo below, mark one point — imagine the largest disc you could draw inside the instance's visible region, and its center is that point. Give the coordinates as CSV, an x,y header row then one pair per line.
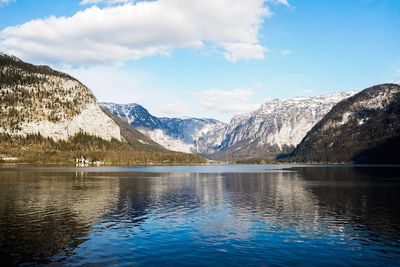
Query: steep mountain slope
x,y
275,128
364,129
50,117
134,137
37,99
177,134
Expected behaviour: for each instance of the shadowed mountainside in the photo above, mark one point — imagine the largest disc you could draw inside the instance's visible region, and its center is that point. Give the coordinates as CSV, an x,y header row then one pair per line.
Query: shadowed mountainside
x,y
362,129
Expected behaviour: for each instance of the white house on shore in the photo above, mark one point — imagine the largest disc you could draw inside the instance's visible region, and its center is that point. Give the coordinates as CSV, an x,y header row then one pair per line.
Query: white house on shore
x,y
7,158
82,161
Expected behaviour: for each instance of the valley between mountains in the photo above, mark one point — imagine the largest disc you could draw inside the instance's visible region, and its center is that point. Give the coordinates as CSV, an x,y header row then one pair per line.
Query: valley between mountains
x,y
50,117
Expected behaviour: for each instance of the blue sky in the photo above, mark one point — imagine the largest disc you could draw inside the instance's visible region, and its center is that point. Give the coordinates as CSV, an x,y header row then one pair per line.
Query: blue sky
x,y
208,58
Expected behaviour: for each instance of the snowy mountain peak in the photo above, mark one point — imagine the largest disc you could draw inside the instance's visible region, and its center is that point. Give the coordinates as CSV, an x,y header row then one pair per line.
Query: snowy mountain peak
x,y
363,129
276,127
178,134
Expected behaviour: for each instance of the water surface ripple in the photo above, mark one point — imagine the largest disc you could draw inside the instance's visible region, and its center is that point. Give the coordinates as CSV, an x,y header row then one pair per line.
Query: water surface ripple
x,y
189,216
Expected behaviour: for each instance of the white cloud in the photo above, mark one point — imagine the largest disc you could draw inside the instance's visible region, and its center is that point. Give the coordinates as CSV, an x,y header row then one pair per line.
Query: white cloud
x,y
239,51
236,101
121,85
5,2
286,52
282,2
131,31
127,85
177,109
114,84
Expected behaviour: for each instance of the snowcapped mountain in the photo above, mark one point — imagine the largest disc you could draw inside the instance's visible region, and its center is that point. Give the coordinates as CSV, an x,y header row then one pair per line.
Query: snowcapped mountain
x,y
363,129
37,99
276,127
177,134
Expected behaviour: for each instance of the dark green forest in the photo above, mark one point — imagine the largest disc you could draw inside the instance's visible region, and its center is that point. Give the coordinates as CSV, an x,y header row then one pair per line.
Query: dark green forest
x,y
37,149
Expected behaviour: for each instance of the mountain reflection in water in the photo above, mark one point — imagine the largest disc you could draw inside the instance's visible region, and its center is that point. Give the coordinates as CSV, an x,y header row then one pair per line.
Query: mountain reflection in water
x,y
307,216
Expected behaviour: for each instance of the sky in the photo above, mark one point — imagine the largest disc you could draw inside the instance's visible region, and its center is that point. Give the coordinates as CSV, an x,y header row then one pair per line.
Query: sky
x,y
208,58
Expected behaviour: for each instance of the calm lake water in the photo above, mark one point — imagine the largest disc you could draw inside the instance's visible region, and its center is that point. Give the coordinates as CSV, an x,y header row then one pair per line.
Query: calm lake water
x,y
239,215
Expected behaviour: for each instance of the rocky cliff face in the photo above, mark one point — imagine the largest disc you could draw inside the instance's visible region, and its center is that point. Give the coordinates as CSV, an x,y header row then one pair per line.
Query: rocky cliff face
x,y
364,128
37,99
276,127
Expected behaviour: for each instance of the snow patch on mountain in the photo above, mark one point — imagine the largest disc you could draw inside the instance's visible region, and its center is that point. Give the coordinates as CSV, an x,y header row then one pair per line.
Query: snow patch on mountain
x,y
374,100
361,129
278,124
177,134
167,141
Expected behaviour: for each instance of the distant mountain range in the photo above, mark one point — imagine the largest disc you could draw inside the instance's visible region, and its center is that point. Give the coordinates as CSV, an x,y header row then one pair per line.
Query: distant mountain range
x,y
177,134
275,128
364,128
49,113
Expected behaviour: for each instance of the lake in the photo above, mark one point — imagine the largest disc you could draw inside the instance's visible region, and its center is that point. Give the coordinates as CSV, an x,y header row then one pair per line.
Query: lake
x,y
234,215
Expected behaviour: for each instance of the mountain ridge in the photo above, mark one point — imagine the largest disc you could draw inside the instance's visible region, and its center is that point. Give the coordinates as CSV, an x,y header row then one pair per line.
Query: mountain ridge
x,y
38,102
177,134
364,128
48,116
271,130
39,99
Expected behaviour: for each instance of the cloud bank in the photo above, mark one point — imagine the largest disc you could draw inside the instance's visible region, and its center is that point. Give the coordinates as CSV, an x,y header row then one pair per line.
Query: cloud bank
x,y
236,101
131,31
